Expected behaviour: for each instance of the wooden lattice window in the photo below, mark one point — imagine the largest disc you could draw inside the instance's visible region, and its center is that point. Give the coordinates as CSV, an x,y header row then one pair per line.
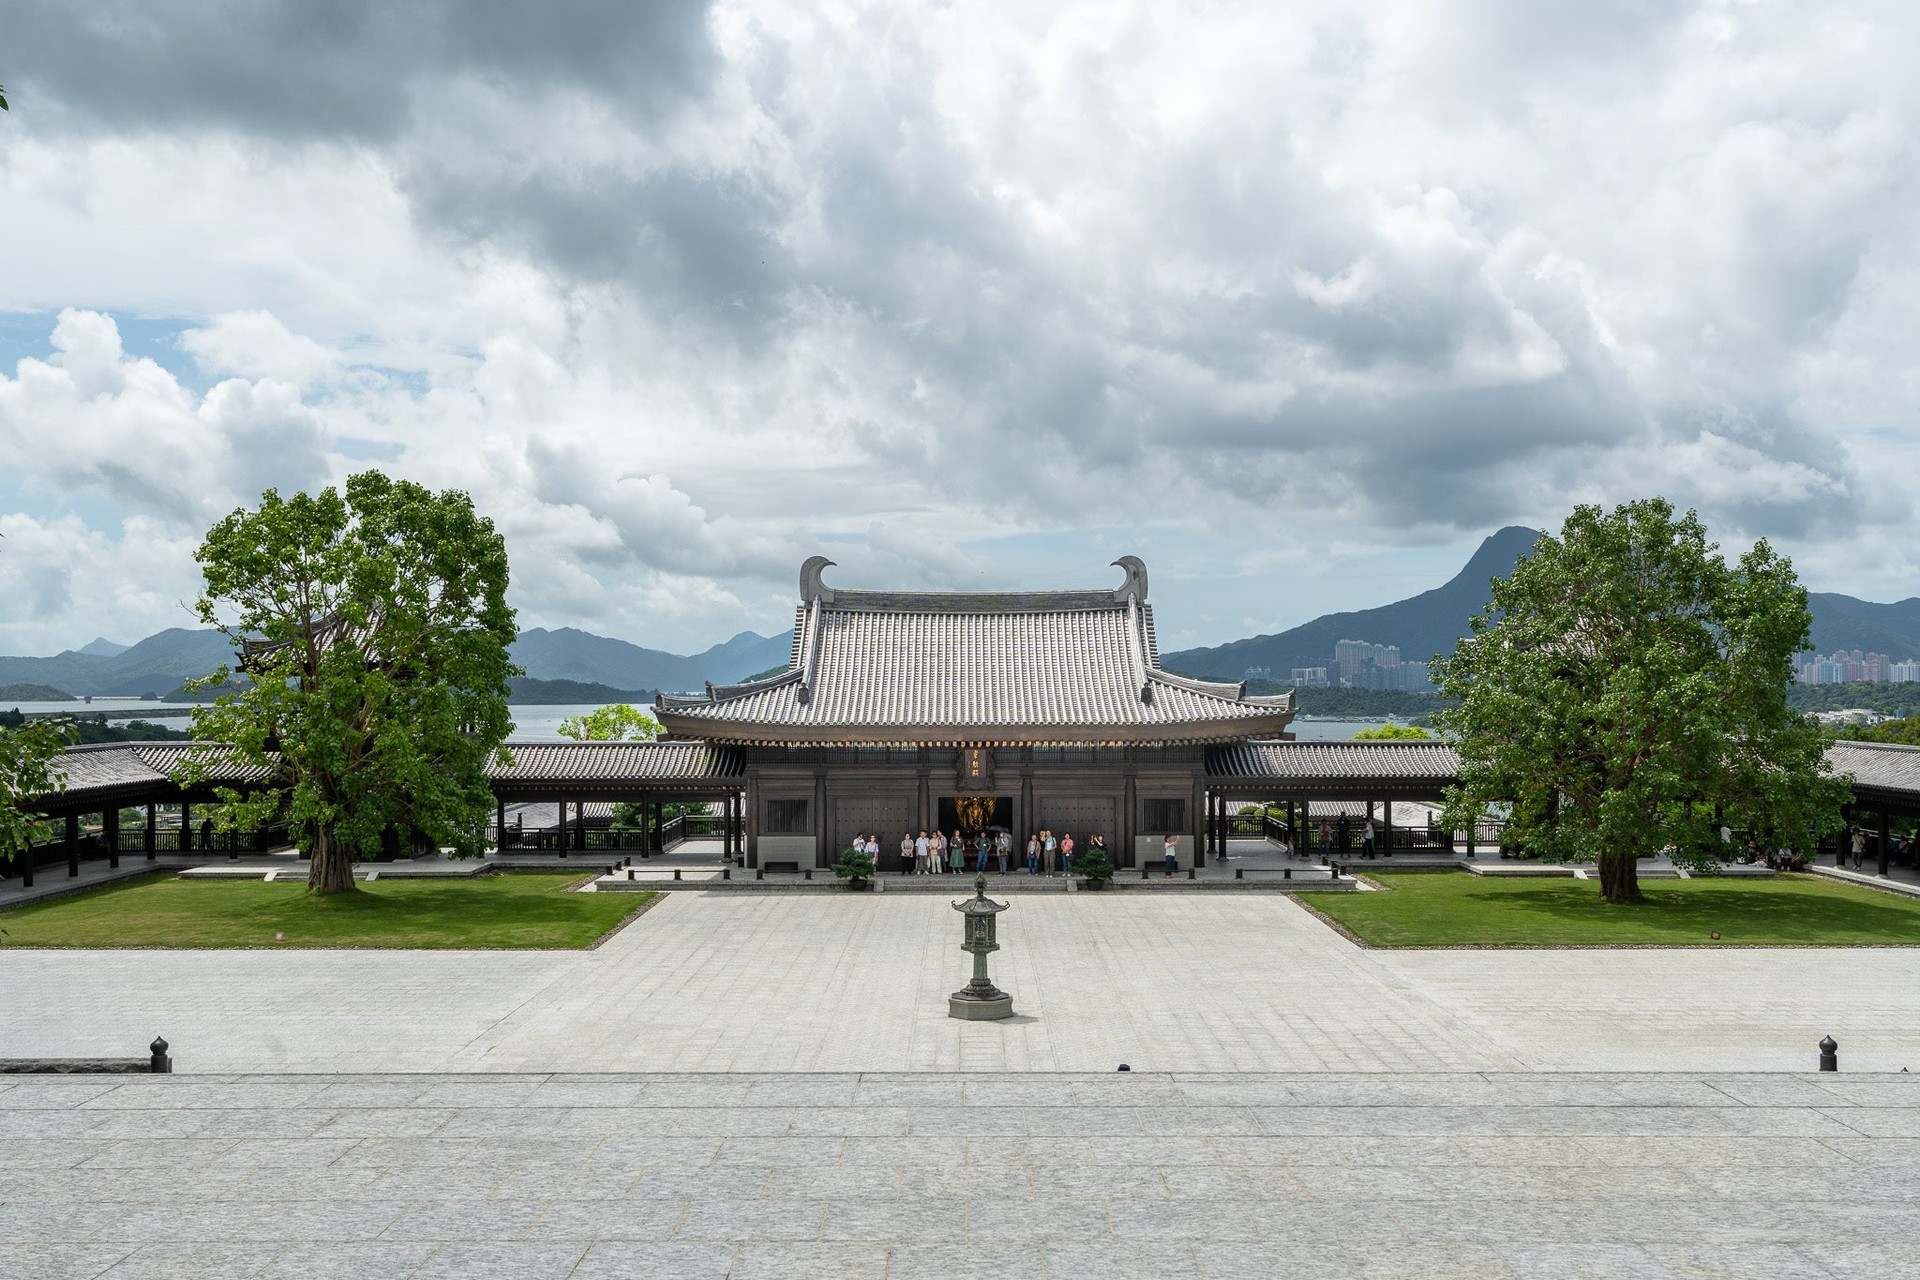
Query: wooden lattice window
x,y
1165,816
787,818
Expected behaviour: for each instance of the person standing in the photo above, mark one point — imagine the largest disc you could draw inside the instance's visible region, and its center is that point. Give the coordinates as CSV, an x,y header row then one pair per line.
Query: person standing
x,y
1325,844
1049,851
981,843
909,856
937,849
922,850
1366,839
1170,854
1344,829
1066,853
1859,846
872,851
1033,853
957,853
1002,846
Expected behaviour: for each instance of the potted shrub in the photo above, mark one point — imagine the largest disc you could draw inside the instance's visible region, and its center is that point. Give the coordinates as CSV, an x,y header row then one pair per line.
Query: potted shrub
x,y
855,868
1095,865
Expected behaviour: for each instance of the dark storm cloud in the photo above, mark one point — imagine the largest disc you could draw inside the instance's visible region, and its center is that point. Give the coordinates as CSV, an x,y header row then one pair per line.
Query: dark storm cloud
x,y
342,67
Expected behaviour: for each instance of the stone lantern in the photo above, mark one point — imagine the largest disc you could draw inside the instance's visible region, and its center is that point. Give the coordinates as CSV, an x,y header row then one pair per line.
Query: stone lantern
x,y
979,999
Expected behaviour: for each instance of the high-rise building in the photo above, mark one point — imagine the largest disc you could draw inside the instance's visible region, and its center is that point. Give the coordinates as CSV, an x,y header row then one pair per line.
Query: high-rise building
x,y
1310,677
1907,672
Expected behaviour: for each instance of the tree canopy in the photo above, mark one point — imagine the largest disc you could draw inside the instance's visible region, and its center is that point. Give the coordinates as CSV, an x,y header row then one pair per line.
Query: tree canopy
x,y
1393,733
615,722
1623,682
373,629
27,753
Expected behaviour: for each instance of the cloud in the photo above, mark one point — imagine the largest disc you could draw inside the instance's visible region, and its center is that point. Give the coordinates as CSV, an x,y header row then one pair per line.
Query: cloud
x,y
93,419
681,292
255,344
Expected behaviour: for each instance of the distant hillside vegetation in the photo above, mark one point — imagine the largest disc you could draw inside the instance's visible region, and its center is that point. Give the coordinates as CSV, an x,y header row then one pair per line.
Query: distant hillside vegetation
x,y
1434,621
1429,623
527,692
33,693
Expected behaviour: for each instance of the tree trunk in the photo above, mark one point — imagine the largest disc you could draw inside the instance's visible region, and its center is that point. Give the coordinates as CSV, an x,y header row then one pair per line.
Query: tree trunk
x,y
1619,878
331,870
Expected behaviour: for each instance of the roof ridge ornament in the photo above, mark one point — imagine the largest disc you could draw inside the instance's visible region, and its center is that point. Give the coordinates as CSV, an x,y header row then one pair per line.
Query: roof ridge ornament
x,y
811,588
1135,587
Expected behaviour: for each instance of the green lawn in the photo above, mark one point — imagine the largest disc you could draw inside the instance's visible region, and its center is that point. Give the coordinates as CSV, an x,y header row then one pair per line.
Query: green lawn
x,y
1453,909
527,912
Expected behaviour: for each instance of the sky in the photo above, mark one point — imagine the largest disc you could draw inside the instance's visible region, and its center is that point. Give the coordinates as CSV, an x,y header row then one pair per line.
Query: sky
x,y
1295,302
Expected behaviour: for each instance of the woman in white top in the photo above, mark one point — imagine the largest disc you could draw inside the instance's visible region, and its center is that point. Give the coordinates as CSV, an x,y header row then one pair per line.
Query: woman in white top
x,y
919,853
937,851
1048,845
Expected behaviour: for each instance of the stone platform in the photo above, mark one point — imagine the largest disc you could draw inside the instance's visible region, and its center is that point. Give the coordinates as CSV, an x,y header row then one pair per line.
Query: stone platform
x,y
1494,1176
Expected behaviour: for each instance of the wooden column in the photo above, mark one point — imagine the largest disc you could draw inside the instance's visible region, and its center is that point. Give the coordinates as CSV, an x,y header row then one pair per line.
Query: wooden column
x,y
560,829
1387,827
1124,856
750,826
926,793
499,825
110,832
1885,837
820,855
73,845
185,841
1199,820
151,832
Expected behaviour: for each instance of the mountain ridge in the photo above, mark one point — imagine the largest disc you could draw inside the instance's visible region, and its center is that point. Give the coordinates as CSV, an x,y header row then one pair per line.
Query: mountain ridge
x,y
1433,621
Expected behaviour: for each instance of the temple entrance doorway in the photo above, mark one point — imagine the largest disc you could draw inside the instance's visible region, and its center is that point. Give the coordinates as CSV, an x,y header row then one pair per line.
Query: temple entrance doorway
x,y
973,814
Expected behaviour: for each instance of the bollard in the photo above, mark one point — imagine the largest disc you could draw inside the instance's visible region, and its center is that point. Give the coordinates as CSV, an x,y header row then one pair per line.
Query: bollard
x,y
160,1063
1144,872
1333,869
1124,1067
759,873
809,873
1192,873
676,873
1829,1054
1286,873
726,873
629,875
1239,873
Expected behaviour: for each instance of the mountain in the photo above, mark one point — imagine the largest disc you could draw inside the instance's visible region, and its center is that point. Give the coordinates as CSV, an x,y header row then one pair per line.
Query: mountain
x,y
1842,622
1422,626
1433,621
101,647
581,656
156,664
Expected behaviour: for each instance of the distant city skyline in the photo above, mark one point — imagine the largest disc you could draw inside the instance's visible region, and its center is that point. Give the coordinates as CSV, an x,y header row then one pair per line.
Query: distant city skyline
x,y
1295,302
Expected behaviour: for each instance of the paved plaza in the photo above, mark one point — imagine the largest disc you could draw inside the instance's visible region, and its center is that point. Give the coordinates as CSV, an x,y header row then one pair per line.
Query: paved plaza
x,y
843,982
947,1176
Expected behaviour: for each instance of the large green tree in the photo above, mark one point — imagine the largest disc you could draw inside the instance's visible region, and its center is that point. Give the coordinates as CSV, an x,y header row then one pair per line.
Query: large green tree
x,y
27,755
373,631
1625,681
615,722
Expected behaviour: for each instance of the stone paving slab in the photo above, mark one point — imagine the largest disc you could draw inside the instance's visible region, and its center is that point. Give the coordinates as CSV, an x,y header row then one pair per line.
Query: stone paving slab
x,y
844,982
1475,1174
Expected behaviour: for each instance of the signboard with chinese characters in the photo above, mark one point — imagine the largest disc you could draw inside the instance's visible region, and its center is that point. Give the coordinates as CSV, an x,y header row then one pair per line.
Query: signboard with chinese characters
x,y
975,769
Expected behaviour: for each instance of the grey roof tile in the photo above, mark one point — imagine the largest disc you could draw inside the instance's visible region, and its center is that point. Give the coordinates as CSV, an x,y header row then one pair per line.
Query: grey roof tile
x,y
1881,765
917,666
1390,761
616,762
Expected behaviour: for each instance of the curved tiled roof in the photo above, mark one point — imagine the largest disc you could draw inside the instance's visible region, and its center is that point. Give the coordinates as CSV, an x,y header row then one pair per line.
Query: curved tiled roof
x,y
972,667
109,765
535,762
1424,762
1880,765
